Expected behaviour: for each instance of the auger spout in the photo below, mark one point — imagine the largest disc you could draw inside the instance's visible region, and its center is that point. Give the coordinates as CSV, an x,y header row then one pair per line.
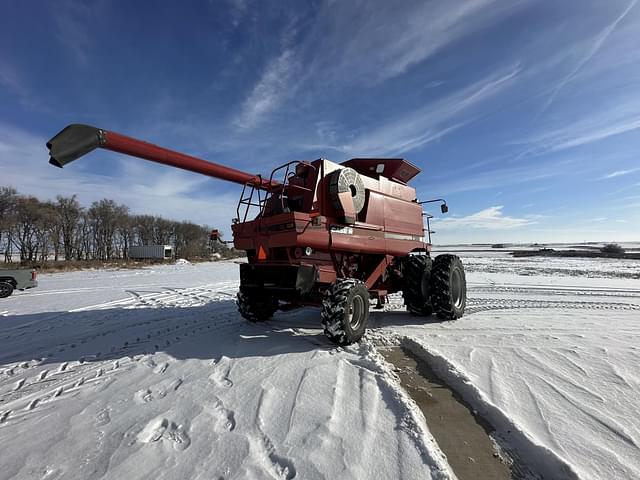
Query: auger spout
x,y
77,140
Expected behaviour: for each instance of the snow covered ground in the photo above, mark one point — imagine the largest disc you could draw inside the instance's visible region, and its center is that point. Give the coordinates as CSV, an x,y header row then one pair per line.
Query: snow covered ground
x,y
151,373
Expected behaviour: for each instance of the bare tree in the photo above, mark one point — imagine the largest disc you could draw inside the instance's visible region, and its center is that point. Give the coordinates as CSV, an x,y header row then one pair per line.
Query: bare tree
x,y
163,231
8,199
26,227
191,240
69,211
144,228
125,235
104,216
83,237
104,231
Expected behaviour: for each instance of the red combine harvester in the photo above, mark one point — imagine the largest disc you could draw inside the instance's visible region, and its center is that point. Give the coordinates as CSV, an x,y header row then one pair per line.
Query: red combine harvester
x,y
317,233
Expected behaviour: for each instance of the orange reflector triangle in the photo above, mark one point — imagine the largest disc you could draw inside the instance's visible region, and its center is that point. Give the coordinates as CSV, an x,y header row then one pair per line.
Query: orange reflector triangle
x,y
262,255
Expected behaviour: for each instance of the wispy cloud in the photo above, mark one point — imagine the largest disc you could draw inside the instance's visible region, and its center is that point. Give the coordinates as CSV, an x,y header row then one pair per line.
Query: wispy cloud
x,y
496,178
14,82
599,41
364,42
620,173
238,9
11,80
575,138
72,21
269,92
491,218
371,41
619,117
428,123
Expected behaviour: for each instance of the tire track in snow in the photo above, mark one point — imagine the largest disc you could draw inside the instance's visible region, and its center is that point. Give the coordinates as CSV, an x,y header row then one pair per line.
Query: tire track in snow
x,y
28,400
543,368
476,305
84,290
615,372
163,332
75,375
511,437
491,377
294,402
119,309
545,422
170,297
369,409
614,428
133,347
576,337
566,359
335,418
280,467
481,304
540,289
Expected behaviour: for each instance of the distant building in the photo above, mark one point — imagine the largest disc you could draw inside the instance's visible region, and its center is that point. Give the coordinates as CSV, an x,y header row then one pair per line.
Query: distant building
x,y
158,252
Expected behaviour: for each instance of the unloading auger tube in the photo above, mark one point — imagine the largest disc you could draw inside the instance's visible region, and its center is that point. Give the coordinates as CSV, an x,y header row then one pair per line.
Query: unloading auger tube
x,y
77,140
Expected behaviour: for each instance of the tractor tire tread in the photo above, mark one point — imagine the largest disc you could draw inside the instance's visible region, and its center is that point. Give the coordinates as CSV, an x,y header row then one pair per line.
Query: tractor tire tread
x,y
415,300
255,310
6,290
441,287
333,309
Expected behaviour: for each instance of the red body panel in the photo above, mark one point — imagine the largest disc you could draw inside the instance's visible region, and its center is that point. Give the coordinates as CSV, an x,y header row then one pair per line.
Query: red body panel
x,y
397,169
388,226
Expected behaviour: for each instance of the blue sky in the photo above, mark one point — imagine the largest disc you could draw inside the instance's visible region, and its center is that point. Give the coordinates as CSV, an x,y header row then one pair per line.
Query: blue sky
x,y
524,114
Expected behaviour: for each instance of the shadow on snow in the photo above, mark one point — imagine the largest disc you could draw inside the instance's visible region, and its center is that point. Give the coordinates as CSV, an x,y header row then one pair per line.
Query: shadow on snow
x,y
209,331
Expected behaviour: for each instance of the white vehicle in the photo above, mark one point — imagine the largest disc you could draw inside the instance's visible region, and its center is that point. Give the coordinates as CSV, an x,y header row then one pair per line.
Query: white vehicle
x,y
159,252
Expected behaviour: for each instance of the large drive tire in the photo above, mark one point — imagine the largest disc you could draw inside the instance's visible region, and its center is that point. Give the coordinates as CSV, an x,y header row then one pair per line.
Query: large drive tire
x,y
448,287
256,309
345,311
416,274
6,289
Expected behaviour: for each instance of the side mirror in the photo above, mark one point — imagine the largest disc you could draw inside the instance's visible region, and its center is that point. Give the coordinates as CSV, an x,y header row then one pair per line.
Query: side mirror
x,y
444,208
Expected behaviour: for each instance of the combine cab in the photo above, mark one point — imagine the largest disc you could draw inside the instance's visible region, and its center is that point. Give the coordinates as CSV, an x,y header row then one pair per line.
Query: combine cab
x,y
317,233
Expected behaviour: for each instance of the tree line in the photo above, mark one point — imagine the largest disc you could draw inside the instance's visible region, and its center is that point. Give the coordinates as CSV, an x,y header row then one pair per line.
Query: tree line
x,y
36,231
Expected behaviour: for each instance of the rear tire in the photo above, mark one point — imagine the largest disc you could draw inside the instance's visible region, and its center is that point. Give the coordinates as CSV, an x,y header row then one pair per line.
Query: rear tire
x,y
448,287
416,274
345,311
256,309
6,289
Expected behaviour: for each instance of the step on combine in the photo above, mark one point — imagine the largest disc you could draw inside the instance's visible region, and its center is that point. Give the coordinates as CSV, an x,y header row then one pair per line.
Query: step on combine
x,y
318,233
